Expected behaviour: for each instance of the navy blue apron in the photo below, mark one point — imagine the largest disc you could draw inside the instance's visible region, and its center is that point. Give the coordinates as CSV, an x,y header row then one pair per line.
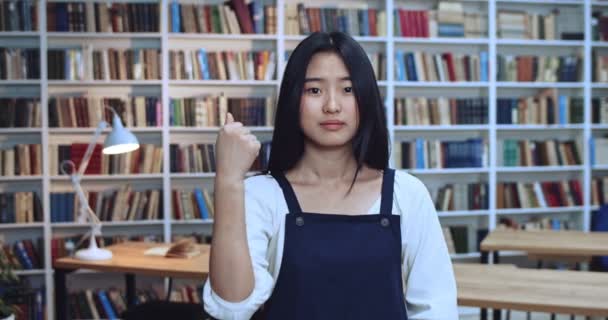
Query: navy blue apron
x,y
338,266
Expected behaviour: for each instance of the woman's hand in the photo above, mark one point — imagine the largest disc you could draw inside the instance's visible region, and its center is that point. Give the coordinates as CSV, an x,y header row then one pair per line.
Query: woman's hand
x,y
236,150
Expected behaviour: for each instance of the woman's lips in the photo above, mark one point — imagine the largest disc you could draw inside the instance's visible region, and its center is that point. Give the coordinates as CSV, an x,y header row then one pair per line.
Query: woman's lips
x,y
332,125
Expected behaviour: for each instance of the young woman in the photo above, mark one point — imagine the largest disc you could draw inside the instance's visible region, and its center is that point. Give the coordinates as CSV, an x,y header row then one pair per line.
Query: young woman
x,y
329,231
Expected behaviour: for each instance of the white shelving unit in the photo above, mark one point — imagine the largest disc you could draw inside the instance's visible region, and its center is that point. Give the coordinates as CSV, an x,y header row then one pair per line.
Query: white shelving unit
x,y
167,88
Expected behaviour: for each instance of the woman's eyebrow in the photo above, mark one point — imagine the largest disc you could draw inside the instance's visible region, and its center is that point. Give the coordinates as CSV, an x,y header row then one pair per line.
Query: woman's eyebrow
x,y
323,79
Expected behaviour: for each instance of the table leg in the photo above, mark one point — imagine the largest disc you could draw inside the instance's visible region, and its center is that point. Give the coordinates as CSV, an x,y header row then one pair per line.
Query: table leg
x,y
130,288
61,294
497,314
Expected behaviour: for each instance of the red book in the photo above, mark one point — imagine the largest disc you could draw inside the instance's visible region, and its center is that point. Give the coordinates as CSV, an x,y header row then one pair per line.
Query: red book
x,y
402,22
450,62
243,15
177,211
371,13
425,23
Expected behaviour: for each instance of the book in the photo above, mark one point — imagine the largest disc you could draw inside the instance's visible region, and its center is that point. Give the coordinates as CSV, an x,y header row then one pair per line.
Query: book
x,y
184,248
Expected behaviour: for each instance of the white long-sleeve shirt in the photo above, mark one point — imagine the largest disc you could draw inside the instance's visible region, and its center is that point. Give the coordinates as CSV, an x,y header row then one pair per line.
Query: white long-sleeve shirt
x,y
430,288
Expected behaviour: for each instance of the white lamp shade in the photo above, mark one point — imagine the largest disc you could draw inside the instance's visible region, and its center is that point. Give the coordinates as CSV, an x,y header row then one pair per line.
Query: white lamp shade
x,y
120,140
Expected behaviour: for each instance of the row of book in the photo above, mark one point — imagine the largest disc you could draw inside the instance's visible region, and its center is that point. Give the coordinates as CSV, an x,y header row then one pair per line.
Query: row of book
x,y
302,19
599,110
515,24
422,111
189,158
457,238
20,207
20,113
88,111
23,254
210,111
538,194
539,68
147,159
21,160
111,303
19,63
599,26
195,204
104,64
18,15
535,223
544,108
199,64
30,301
124,204
598,150
437,154
230,17
600,66
599,191
527,153
448,20
444,67
460,196
102,17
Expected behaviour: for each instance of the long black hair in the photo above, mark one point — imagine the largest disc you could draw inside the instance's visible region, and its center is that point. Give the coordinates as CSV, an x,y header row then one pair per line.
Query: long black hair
x,y
370,143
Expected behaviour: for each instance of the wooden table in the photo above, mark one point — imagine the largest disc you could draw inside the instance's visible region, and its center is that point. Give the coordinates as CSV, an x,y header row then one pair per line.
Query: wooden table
x,y
540,290
129,258
564,245
548,242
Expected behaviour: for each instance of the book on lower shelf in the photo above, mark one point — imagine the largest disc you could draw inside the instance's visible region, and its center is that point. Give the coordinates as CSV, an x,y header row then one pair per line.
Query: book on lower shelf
x,y
516,153
19,63
23,254
20,207
209,111
531,68
546,107
422,111
20,113
435,154
191,158
540,194
195,204
21,160
461,197
87,111
442,67
112,204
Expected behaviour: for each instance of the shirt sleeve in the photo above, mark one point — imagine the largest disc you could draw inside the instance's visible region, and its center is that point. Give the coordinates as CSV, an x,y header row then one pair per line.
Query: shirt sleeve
x,y
258,218
430,286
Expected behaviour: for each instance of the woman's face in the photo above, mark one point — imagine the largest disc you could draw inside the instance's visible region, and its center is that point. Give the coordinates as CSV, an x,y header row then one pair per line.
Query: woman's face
x,y
328,109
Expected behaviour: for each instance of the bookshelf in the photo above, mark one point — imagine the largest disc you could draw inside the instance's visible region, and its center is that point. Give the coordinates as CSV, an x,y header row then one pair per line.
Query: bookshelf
x,y
579,13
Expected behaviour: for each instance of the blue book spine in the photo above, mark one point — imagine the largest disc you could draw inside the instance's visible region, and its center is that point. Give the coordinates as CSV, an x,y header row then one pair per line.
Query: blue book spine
x,y
202,59
175,17
107,307
419,153
365,14
200,200
257,10
172,112
411,67
400,66
69,211
483,60
562,109
450,30
397,24
21,253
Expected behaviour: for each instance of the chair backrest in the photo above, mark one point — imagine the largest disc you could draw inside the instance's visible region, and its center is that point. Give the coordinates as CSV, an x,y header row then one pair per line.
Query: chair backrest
x,y
599,222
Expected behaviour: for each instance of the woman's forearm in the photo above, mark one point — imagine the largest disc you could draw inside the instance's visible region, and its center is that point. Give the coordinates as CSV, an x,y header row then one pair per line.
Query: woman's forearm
x,y
230,268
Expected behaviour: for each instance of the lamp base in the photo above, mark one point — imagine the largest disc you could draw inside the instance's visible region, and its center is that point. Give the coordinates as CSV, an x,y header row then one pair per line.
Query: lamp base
x,y
92,254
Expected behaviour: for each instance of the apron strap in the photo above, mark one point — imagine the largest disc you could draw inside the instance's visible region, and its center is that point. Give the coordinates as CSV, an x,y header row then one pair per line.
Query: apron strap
x,y
290,197
386,202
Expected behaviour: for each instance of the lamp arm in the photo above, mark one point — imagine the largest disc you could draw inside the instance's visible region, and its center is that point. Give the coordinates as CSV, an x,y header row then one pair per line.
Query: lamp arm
x,y
89,152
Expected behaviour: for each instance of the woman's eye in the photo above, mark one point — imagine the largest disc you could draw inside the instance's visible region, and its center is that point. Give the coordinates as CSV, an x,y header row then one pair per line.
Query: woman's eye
x,y
313,90
348,89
